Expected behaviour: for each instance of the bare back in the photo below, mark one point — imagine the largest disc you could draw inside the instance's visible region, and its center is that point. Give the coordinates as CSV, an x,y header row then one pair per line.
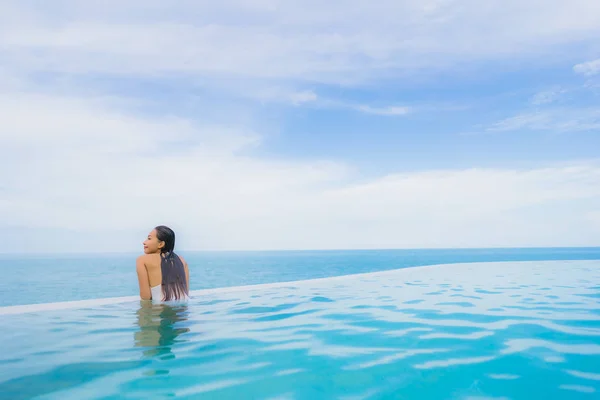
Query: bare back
x,y
152,264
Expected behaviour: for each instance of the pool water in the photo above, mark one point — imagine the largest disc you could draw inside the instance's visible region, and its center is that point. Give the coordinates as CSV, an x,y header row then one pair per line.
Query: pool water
x,y
511,330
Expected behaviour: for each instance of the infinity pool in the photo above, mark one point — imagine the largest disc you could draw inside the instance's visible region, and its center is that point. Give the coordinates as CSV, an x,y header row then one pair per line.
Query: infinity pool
x,y
528,330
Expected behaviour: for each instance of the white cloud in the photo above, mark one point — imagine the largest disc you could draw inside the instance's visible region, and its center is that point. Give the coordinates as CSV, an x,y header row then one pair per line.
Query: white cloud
x,y
551,120
303,97
547,96
588,68
91,172
86,168
389,111
553,112
334,42
283,95
279,94
594,216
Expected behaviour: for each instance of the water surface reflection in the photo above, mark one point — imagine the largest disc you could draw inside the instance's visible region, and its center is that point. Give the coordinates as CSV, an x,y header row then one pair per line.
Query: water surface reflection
x,y
160,327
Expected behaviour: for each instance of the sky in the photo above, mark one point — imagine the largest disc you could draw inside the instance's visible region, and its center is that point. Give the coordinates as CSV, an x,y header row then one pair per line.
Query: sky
x,y
273,125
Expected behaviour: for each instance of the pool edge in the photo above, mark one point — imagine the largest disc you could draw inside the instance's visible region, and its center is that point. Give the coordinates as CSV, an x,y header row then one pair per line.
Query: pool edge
x,y
63,305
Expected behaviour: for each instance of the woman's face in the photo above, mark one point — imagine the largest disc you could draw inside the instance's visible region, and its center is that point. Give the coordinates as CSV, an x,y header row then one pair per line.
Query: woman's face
x,y
152,244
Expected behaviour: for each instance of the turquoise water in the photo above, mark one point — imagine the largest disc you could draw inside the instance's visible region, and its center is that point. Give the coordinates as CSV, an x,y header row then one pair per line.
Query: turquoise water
x,y
465,331
42,279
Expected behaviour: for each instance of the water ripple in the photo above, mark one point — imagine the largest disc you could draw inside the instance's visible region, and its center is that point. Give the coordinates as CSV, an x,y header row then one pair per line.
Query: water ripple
x,y
479,331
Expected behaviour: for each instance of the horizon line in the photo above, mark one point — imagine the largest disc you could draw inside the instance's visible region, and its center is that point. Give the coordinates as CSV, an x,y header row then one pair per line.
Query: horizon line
x,y
301,250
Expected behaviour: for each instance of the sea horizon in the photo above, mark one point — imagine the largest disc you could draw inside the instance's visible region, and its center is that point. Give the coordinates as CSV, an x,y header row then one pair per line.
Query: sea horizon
x,y
40,278
306,250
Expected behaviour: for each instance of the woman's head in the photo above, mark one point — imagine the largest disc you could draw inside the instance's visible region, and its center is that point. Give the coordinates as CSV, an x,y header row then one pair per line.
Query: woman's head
x,y
160,240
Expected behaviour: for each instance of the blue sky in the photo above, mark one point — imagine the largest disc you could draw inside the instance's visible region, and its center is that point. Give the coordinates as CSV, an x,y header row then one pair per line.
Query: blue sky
x,y
294,125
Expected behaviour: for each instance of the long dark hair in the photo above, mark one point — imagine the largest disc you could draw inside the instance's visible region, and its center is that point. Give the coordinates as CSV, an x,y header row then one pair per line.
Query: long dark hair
x,y
174,283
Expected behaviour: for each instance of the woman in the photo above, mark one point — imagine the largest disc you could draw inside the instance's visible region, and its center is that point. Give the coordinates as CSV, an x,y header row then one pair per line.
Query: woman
x,y
162,274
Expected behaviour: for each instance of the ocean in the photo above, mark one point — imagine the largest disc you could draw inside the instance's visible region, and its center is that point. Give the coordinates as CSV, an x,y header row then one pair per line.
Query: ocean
x,y
29,279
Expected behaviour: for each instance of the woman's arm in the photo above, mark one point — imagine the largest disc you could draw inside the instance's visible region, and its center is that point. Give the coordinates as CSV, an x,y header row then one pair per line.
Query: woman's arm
x,y
142,274
187,275
187,272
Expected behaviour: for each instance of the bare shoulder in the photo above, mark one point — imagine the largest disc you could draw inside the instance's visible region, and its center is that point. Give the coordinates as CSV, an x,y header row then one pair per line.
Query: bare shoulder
x,y
140,264
182,260
147,261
